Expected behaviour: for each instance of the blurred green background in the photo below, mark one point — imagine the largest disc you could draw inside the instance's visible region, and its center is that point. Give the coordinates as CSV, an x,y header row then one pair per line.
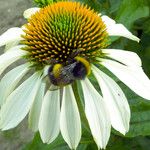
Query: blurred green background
x,y
135,15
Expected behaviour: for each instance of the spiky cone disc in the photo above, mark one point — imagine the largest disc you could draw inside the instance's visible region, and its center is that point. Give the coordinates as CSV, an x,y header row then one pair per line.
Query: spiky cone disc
x,y
59,30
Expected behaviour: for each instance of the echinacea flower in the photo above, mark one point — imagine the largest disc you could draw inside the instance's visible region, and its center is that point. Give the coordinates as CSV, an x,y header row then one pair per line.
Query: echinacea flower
x,y
59,34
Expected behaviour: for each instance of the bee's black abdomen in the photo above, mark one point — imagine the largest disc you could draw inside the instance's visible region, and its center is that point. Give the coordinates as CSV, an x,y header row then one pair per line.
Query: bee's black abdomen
x,y
79,71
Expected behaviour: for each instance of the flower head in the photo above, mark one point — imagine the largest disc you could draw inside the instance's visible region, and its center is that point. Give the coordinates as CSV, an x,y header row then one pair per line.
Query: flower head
x,y
59,30
66,41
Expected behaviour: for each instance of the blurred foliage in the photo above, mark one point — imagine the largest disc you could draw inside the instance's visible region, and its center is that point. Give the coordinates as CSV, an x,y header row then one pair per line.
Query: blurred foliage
x,y
43,3
135,15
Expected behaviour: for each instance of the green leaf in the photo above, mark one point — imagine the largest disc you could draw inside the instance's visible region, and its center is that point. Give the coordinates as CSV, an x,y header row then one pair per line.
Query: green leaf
x,y
119,143
94,4
114,5
58,144
131,10
140,118
37,144
43,3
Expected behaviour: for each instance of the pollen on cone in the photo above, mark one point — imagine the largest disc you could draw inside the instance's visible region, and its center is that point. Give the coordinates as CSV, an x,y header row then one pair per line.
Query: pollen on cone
x,y
58,30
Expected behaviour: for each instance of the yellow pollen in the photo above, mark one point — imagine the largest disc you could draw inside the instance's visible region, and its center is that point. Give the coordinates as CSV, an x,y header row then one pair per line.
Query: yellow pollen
x,y
60,29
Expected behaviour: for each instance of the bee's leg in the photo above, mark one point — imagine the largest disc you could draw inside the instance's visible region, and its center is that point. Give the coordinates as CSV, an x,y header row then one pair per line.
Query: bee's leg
x,y
75,52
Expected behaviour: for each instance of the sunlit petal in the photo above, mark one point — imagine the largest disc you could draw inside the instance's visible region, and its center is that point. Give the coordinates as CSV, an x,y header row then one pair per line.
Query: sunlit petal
x,y
29,12
10,81
49,117
115,29
126,57
96,114
133,77
36,108
115,100
10,45
70,123
19,103
11,56
11,35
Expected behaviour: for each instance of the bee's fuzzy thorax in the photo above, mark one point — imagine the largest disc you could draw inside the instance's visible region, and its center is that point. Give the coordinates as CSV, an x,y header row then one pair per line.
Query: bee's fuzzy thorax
x,y
56,70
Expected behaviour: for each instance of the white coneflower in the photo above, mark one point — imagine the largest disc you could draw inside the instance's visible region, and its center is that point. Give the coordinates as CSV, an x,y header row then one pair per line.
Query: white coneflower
x,y
66,41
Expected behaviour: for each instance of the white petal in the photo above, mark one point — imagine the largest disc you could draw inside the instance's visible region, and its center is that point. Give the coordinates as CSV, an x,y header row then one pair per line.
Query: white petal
x,y
96,114
133,77
11,35
115,100
49,117
115,29
11,45
34,114
19,103
29,12
70,123
45,72
126,57
11,56
10,81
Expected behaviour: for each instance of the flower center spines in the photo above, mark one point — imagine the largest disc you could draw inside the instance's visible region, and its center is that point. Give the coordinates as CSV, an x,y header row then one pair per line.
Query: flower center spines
x,y
58,29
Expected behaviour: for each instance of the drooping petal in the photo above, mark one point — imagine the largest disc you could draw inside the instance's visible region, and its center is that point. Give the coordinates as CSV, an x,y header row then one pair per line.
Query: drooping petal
x,y
19,103
29,12
45,71
50,116
10,81
10,45
126,57
34,113
115,29
115,100
133,77
11,56
11,35
96,114
70,123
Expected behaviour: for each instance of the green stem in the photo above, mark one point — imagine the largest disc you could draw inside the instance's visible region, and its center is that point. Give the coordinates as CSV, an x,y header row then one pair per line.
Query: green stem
x,y
80,107
87,142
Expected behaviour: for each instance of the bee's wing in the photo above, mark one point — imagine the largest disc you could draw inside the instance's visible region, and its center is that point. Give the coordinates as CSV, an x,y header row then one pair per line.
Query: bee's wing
x,y
66,72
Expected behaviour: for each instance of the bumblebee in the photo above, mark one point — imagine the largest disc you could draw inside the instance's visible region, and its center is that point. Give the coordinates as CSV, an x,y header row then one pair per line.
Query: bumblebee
x,y
61,75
